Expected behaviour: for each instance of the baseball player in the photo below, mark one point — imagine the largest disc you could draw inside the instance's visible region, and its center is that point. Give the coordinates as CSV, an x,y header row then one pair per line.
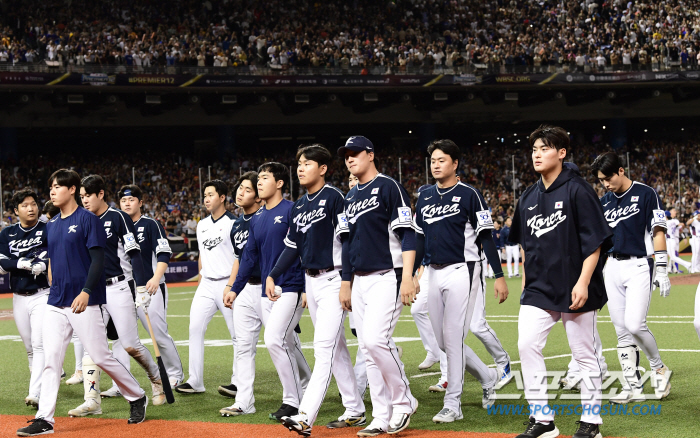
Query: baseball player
x,y
215,237
694,225
673,230
280,312
124,271
381,242
156,252
76,242
247,313
453,225
633,211
21,246
560,225
512,252
316,231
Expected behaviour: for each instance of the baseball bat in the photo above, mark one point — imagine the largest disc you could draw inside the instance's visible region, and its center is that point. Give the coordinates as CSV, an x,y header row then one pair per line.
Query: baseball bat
x,y
161,366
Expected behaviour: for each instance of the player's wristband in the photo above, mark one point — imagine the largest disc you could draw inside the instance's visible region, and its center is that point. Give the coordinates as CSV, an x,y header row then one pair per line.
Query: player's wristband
x,y
661,258
86,290
499,274
229,286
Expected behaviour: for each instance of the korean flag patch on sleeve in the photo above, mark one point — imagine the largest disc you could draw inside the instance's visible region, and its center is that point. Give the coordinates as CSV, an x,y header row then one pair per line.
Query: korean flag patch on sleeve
x,y
405,216
130,242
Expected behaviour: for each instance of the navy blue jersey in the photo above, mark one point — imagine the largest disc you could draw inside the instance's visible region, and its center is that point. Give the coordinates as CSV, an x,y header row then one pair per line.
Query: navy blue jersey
x,y
120,240
152,240
451,220
69,242
241,231
505,232
633,215
317,222
17,242
558,228
267,231
374,211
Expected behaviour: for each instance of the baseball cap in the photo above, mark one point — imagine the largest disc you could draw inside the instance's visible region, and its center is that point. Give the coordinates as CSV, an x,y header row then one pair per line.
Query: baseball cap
x,y
356,143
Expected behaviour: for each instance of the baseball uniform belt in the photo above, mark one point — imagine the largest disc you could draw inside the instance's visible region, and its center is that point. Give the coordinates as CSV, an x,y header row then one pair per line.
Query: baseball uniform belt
x,y
116,279
315,272
31,292
440,266
255,281
619,256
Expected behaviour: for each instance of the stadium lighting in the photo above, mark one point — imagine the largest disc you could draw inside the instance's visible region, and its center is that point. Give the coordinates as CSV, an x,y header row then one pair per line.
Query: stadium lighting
x,y
645,130
410,132
603,126
682,129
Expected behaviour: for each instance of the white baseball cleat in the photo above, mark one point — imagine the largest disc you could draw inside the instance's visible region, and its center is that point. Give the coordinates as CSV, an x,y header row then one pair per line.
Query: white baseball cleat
x,y
663,386
234,411
76,378
111,392
428,362
174,382
505,376
447,415
32,401
400,350
440,386
90,407
158,394
570,383
629,395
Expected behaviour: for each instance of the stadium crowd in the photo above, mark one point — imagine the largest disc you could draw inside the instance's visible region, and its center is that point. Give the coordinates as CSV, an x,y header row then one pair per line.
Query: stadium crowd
x,y
171,183
359,36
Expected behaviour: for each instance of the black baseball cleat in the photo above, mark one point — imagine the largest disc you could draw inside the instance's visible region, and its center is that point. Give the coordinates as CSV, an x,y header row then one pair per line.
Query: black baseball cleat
x,y
138,410
284,411
587,430
186,388
539,430
37,427
228,390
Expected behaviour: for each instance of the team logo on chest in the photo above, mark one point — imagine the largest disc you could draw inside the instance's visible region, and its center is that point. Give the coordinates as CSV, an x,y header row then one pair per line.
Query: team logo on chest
x,y
18,247
616,215
240,239
542,225
305,220
211,243
278,220
358,208
434,213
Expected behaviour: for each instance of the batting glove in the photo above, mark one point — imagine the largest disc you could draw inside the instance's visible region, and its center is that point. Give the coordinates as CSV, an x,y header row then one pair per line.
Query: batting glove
x,y
143,298
24,263
38,268
661,280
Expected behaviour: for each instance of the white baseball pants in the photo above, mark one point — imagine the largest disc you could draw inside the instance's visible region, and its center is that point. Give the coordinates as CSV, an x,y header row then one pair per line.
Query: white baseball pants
x,y
513,260
360,367
280,318
28,312
574,372
419,311
247,322
672,248
376,305
629,288
330,348
120,307
208,299
79,352
483,331
696,321
59,324
695,248
157,311
453,292
534,325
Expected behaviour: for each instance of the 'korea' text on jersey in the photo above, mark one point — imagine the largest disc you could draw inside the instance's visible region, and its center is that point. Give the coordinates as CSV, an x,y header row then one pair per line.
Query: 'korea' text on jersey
x,y
241,231
215,239
17,242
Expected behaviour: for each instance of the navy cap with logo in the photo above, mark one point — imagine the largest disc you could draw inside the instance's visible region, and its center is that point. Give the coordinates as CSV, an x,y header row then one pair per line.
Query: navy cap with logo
x,y
356,143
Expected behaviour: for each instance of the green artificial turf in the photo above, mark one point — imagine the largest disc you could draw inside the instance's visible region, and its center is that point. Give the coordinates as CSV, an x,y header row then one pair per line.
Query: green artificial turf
x,y
673,332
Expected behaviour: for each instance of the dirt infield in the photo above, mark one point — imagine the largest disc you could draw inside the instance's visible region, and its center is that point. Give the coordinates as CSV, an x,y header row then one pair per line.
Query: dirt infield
x,y
683,280
91,427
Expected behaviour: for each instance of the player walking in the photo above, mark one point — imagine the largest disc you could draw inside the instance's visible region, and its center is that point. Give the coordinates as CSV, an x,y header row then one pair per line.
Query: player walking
x,y
560,225
156,252
381,243
124,271
512,252
673,243
317,229
247,313
215,237
21,248
453,224
281,312
694,225
633,211
76,242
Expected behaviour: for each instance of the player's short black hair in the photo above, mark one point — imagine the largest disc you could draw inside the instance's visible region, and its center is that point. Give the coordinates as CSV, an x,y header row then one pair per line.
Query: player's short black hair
x,y
23,194
130,190
315,152
93,184
50,210
66,178
447,146
278,170
251,176
220,187
608,164
553,136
